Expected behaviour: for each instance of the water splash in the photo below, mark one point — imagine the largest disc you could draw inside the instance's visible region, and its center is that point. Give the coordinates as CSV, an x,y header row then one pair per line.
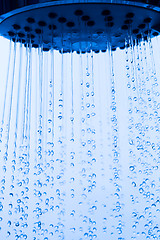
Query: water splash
x,y
79,159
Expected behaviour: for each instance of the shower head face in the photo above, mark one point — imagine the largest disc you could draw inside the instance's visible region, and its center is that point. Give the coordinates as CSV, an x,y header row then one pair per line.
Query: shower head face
x,y
70,26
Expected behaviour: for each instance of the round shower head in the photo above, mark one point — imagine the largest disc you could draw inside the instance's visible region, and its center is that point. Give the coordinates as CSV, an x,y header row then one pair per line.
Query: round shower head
x,y
79,25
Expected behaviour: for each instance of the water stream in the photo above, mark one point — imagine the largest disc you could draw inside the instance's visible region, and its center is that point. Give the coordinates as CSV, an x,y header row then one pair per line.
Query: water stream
x,y
79,143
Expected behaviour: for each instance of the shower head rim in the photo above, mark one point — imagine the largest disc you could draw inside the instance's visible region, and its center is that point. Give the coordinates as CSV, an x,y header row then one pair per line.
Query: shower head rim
x,y
132,3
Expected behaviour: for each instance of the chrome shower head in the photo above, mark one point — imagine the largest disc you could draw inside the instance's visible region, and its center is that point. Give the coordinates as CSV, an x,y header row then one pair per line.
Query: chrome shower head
x,y
80,25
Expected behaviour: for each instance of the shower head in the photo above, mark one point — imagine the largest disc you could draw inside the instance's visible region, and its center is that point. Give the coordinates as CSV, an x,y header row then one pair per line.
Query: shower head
x,y
79,25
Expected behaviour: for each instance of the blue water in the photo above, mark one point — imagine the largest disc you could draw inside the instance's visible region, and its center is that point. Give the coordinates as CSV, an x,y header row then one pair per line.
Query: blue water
x,y
79,144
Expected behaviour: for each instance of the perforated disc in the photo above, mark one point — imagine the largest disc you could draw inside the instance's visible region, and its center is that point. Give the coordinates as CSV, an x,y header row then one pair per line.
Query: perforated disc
x,y
79,25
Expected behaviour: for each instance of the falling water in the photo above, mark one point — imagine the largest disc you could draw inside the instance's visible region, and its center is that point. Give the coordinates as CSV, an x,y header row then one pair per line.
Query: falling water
x,y
79,143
